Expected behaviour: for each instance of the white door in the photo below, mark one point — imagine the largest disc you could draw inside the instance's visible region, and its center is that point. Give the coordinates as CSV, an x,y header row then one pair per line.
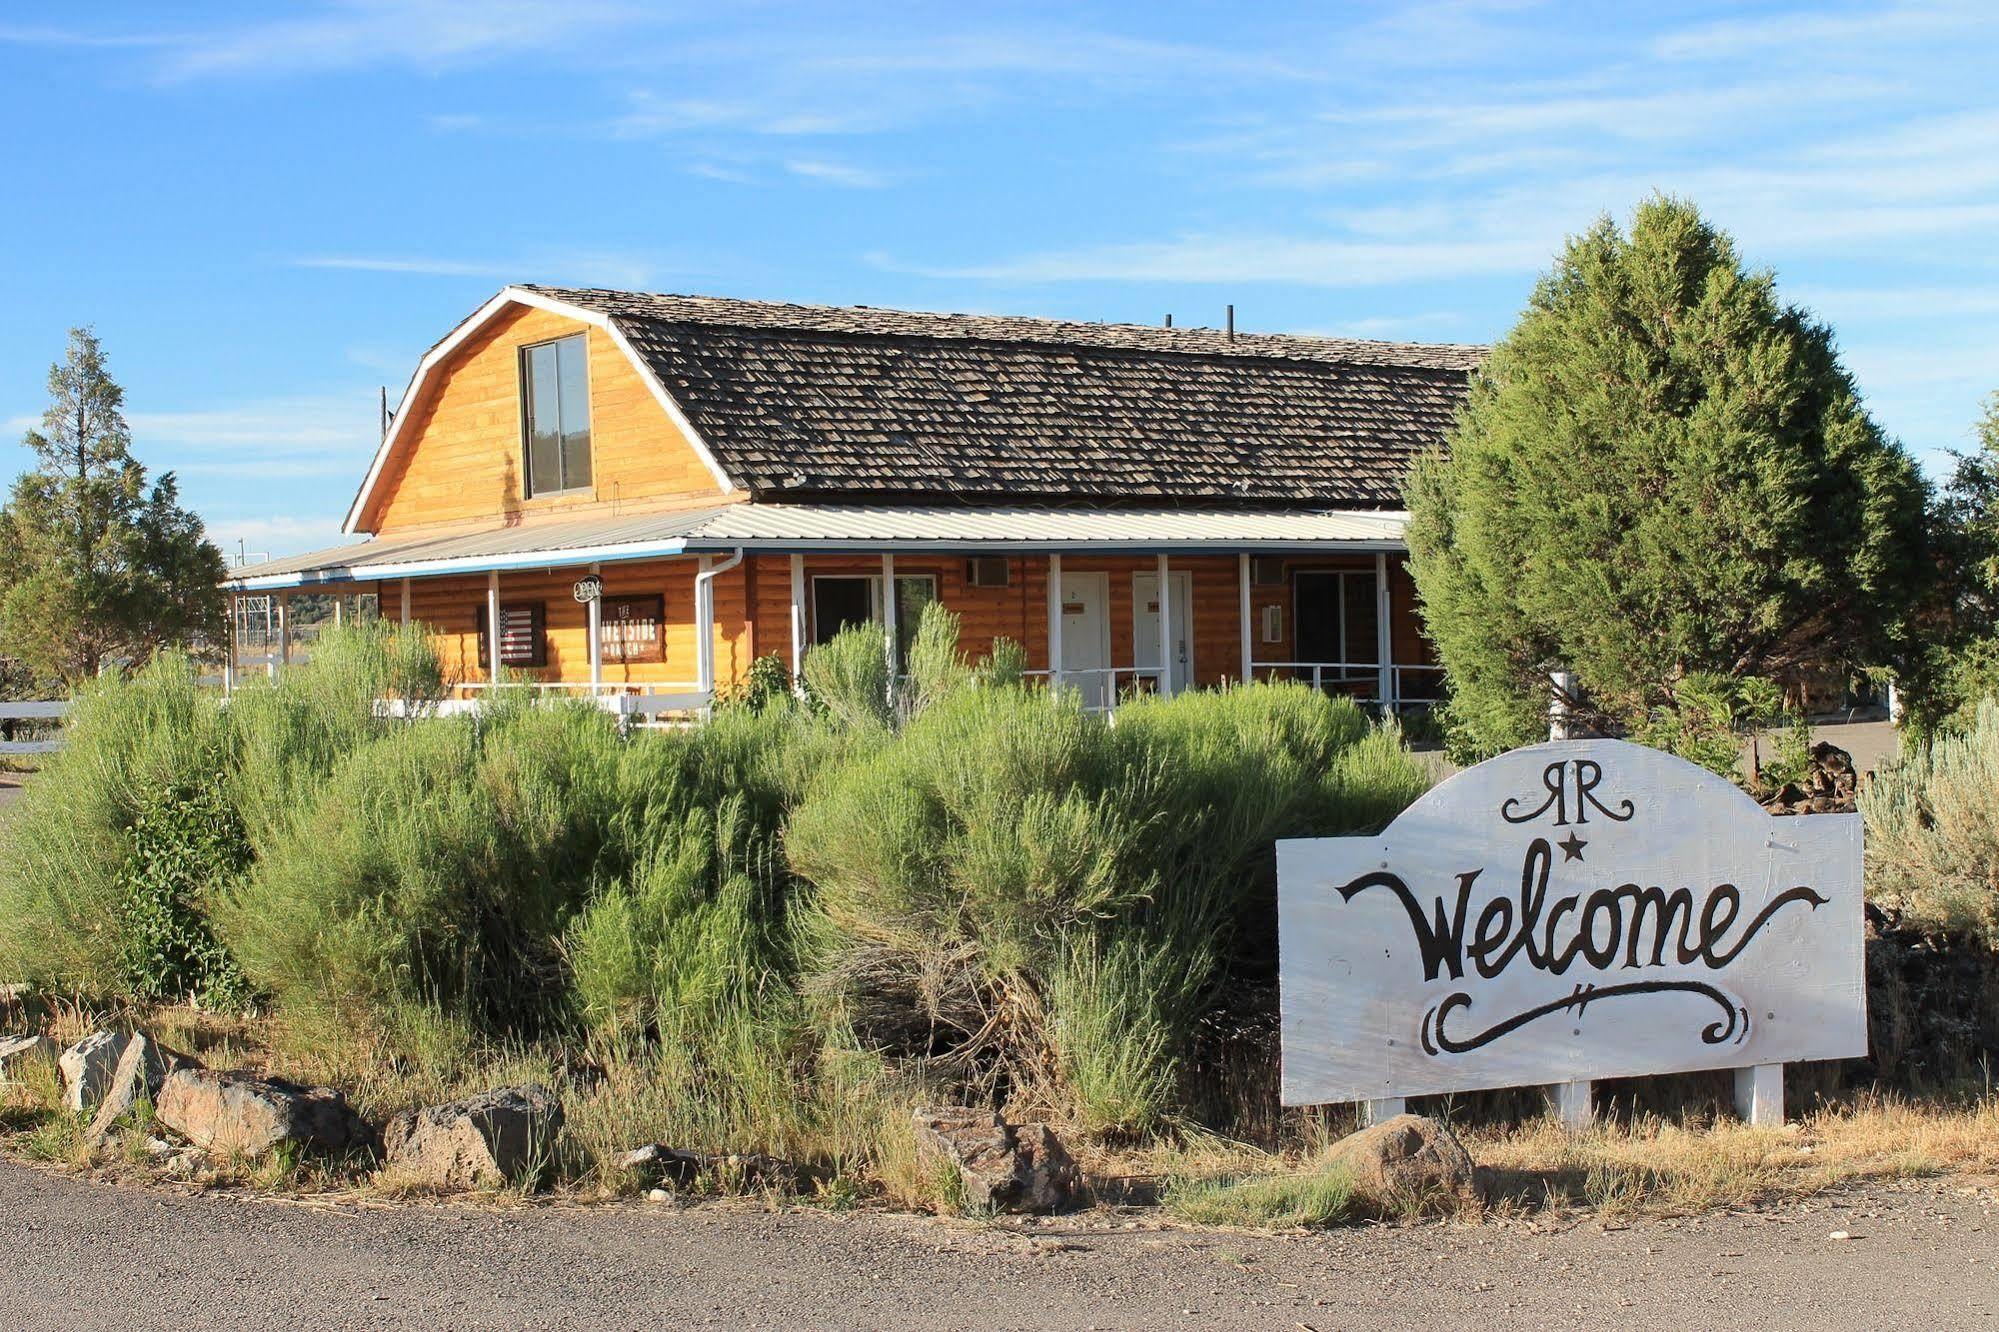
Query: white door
x,y
1145,624
1086,637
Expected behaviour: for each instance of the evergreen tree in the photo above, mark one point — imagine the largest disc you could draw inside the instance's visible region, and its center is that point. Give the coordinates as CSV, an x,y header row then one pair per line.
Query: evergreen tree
x,y
1963,666
94,564
1663,474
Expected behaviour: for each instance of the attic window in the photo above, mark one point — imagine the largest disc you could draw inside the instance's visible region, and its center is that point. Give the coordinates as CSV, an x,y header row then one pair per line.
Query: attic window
x,y
555,416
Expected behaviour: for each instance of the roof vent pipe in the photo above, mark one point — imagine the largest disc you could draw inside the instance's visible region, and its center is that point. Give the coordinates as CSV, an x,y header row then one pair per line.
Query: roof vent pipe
x,y
1169,320
1231,323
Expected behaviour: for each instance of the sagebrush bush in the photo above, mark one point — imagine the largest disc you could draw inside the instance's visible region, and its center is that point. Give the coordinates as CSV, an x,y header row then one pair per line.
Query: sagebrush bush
x,y
64,890
774,932
1032,892
1933,830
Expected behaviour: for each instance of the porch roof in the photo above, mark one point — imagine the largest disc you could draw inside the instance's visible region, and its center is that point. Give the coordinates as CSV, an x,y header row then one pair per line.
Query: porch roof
x,y
850,528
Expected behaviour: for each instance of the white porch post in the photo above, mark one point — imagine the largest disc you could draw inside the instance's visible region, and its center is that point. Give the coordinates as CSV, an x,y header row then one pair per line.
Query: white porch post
x,y
1165,632
493,627
339,610
1383,641
594,619
888,619
797,617
1054,622
229,651
406,601
284,628
704,627
1248,634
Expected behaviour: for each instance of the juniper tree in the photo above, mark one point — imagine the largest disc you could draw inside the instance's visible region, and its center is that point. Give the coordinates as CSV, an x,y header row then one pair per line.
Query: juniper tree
x,y
1963,665
94,564
1663,473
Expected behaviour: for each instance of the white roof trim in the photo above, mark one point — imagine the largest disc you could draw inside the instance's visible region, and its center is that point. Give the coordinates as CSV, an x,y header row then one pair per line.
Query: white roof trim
x,y
798,528
484,315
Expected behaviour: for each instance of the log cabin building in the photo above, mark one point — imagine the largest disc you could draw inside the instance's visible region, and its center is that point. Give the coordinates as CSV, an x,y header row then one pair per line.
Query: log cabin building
x,y
634,496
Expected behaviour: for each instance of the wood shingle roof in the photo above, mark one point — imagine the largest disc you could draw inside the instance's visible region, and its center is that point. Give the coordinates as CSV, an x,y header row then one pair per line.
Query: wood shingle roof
x,y
813,401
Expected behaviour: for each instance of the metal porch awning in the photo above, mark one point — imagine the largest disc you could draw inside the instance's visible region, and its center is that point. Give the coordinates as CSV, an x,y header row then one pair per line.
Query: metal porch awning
x,y
848,528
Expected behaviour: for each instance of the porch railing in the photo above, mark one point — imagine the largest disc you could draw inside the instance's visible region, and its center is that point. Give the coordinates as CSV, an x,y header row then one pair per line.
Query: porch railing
x,y
42,716
640,702
1359,680
1108,677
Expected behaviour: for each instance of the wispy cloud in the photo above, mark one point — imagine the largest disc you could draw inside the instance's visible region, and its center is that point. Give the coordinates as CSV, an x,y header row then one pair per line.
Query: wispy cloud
x,y
280,427
1255,257
1810,29
18,35
273,535
427,34
607,268
836,173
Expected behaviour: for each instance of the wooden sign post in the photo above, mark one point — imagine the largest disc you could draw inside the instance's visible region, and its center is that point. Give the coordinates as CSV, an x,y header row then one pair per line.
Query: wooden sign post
x,y
1571,911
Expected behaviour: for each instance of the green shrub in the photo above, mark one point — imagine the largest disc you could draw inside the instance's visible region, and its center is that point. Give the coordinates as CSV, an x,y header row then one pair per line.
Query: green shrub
x,y
64,889
848,675
290,731
187,845
1039,894
685,942
1933,830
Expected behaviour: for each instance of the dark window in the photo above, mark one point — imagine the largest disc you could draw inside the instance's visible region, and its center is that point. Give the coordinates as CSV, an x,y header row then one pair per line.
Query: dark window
x,y
523,635
555,416
911,596
1335,619
841,601
838,603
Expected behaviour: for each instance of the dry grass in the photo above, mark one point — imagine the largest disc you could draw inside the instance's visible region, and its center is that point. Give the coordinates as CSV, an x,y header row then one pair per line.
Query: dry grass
x,y
1655,1167
1651,1166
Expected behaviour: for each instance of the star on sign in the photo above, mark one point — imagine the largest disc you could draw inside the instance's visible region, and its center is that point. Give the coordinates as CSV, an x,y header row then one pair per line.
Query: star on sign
x,y
1572,848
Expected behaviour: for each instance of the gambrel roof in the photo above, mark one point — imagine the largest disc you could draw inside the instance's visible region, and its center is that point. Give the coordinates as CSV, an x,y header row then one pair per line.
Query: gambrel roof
x,y
797,401
821,403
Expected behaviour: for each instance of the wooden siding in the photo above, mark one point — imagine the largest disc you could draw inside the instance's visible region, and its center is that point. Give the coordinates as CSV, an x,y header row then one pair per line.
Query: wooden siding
x,y
753,612
460,458
450,607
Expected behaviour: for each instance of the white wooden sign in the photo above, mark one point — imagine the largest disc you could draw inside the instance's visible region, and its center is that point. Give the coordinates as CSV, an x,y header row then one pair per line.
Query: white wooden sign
x,y
1575,910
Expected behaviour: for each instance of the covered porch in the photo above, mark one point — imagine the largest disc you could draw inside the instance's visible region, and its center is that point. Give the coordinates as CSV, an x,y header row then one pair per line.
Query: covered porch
x,y
653,615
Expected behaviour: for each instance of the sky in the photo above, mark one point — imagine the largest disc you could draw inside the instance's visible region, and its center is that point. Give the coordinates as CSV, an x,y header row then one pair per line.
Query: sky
x,y
268,212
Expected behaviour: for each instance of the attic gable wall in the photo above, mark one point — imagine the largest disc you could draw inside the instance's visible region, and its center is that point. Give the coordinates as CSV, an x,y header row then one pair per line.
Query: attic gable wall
x,y
459,457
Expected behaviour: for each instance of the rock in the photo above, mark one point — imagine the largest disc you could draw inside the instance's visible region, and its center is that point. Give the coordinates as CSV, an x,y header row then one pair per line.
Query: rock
x,y
1408,1156
655,1162
14,1049
141,1069
240,1112
1829,785
494,1138
87,1067
1005,1167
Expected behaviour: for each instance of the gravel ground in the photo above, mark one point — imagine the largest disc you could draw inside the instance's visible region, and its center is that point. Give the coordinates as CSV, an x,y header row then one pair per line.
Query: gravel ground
x,y
82,1255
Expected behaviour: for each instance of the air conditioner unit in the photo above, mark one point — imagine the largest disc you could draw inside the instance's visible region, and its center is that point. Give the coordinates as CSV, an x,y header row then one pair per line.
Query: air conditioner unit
x,y
989,571
1273,624
1267,571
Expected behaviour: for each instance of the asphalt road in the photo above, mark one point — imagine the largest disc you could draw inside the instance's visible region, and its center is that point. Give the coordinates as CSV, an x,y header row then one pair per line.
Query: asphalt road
x,y
81,1255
